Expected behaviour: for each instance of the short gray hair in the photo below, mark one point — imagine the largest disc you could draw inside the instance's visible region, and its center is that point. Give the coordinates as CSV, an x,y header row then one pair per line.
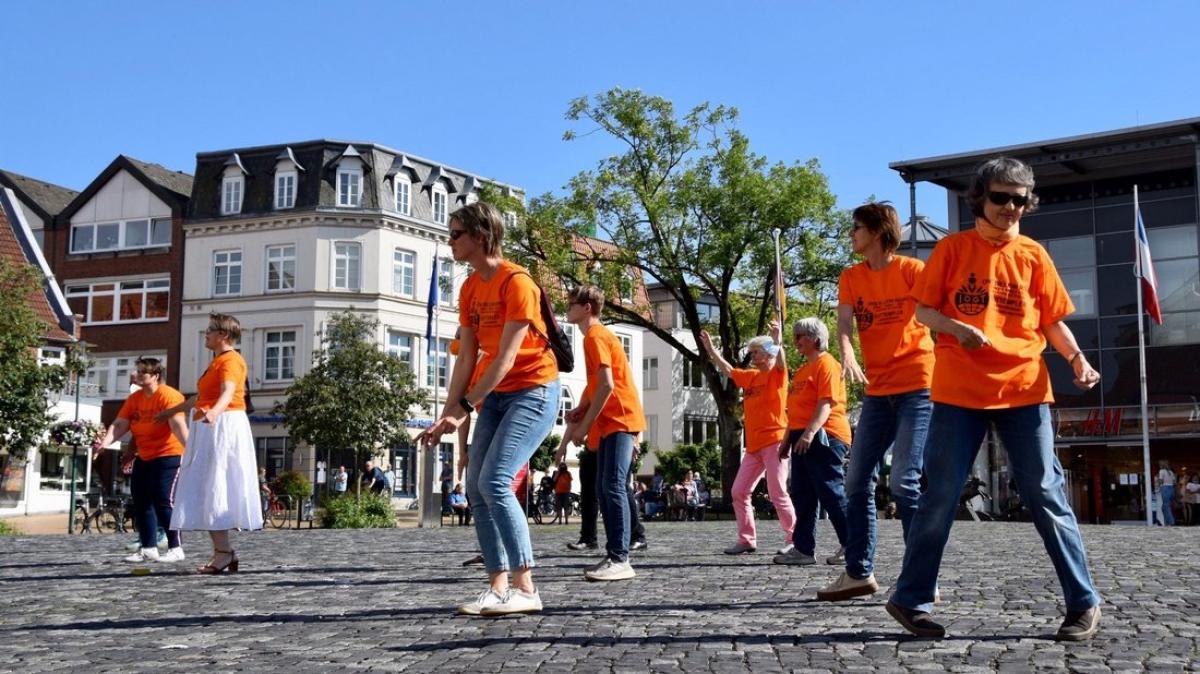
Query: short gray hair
x,y
815,328
763,343
1000,170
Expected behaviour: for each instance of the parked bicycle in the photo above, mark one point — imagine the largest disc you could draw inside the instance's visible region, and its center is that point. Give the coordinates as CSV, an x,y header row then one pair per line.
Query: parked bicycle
x,y
279,510
109,516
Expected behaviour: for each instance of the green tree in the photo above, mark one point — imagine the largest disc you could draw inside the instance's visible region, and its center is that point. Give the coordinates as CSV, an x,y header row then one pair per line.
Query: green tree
x,y
24,405
356,396
690,207
704,459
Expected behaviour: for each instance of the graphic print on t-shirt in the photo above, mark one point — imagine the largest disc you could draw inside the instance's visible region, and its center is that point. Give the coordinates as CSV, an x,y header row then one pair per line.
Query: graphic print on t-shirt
x,y
863,316
972,298
1010,298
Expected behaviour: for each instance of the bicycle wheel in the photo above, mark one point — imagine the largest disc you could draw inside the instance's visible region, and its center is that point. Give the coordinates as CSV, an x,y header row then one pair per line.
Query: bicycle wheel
x,y
81,521
106,522
281,511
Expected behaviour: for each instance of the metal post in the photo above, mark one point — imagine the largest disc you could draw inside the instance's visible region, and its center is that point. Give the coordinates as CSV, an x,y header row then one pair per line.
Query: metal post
x,y
1138,271
912,216
74,469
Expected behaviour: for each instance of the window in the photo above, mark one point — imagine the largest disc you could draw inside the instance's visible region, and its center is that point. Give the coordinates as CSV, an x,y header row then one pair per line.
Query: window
x,y
626,346
279,358
403,195
345,265
697,429
126,235
281,268
568,330
285,189
274,454
708,313
110,375
440,356
693,375
566,403
446,282
1176,267
510,220
227,272
400,345
650,437
231,194
404,462
120,302
650,373
404,272
349,187
439,204
1075,259
52,355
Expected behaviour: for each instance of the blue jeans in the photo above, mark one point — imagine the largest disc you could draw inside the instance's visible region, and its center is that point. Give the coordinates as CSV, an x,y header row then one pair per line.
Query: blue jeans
x,y
817,476
898,421
152,485
612,481
1028,436
1168,499
509,429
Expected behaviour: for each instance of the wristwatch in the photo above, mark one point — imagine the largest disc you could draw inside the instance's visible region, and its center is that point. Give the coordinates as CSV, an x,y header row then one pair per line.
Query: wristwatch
x,y
466,405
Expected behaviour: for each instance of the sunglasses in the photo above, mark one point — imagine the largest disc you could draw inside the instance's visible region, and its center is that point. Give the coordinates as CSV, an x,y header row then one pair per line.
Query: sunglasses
x,y
455,233
1003,198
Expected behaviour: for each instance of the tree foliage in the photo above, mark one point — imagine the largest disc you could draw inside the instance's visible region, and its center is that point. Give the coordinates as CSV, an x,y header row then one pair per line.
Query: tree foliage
x,y
690,207
356,396
24,384
704,460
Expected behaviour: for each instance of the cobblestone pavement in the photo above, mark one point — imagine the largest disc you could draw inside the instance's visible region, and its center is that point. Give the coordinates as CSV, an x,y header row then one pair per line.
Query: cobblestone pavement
x,y
316,601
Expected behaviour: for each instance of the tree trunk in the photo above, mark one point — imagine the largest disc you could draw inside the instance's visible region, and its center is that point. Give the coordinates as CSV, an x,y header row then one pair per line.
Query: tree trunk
x,y
729,433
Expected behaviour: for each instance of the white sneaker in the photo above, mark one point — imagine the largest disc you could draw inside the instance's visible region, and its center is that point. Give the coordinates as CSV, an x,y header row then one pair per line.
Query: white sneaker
x,y
846,587
488,597
785,549
515,601
795,558
135,543
611,570
144,555
172,555
595,567
838,558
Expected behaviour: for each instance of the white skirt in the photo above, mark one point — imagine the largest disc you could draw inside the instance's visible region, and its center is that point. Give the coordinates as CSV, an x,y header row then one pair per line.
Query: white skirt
x,y
217,487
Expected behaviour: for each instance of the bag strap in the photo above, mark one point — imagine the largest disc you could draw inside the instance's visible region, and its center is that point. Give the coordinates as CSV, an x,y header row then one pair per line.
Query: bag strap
x,y
504,293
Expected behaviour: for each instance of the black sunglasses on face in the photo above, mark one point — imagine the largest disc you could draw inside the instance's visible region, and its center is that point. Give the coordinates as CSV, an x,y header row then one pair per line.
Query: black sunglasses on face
x,y
1002,198
455,233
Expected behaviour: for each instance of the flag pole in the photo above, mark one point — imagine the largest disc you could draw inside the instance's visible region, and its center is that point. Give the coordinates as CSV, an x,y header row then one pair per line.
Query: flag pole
x,y
779,301
1138,272
429,513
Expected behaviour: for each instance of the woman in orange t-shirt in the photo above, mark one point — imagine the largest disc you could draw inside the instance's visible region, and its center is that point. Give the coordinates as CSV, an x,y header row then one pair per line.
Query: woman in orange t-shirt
x,y
995,298
818,437
159,448
218,481
765,406
501,333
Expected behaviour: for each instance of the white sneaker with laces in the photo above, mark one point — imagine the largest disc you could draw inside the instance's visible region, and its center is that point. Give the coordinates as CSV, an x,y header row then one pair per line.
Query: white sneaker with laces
x,y
611,570
598,565
515,601
847,587
144,555
172,555
838,558
488,597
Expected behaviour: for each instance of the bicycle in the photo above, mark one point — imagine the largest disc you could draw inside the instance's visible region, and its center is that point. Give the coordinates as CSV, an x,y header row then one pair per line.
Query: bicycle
x,y
111,516
278,510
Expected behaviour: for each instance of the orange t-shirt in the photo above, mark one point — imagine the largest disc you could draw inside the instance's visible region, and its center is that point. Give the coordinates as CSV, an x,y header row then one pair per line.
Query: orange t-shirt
x,y
897,350
228,366
821,378
1010,292
481,308
562,483
623,411
765,405
154,438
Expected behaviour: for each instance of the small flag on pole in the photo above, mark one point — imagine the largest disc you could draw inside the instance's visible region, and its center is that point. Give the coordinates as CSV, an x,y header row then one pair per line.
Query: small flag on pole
x,y
431,307
780,289
1143,268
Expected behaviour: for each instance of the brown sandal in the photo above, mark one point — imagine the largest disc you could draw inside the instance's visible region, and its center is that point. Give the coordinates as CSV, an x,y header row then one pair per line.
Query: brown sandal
x,y
231,566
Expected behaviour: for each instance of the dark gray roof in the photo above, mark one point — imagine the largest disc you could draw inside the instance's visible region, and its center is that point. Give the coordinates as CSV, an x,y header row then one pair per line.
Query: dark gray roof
x,y
50,198
1067,160
927,232
176,181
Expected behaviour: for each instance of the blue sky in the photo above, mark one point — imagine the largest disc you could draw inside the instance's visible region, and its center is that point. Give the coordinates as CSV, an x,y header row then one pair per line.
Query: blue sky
x,y
483,86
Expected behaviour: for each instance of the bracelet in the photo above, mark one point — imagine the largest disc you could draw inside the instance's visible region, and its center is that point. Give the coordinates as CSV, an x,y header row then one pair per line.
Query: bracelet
x,y
1071,360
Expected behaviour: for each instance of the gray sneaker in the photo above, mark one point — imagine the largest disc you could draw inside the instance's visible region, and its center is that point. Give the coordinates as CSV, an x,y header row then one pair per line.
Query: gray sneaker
x,y
1079,625
611,570
795,558
838,558
739,549
786,549
596,566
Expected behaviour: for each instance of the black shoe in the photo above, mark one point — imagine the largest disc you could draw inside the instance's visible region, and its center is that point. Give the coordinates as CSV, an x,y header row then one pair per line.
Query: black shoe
x,y
1079,625
477,560
581,545
917,622
639,544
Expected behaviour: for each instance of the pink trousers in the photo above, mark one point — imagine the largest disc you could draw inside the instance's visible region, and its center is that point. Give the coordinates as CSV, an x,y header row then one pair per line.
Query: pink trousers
x,y
765,460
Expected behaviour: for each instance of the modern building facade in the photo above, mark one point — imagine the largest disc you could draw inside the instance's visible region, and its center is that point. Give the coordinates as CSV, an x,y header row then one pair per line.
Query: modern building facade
x,y
1086,222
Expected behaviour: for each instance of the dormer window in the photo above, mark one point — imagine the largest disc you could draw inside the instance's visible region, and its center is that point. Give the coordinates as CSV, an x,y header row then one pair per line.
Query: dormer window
x,y
439,204
233,185
285,189
349,178
403,195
